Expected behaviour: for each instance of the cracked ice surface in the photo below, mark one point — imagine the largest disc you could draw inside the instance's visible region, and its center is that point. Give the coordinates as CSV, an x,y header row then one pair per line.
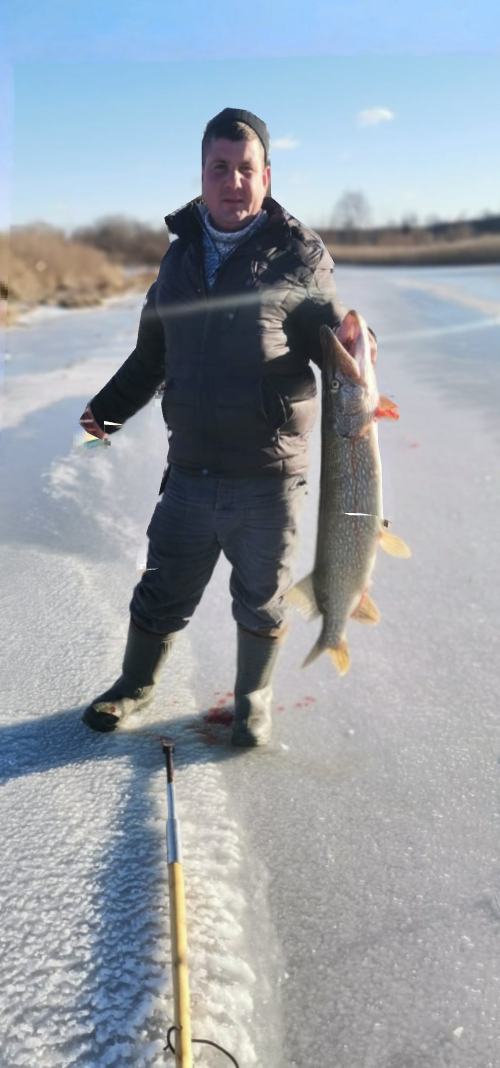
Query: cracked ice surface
x,y
343,885
84,936
84,961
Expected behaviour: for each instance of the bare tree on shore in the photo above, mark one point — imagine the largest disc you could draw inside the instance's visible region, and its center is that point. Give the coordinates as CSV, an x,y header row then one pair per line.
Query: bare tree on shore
x,y
352,211
351,214
125,240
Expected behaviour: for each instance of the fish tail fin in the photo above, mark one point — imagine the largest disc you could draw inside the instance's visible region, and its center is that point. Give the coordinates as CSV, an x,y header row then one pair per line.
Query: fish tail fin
x,y
338,653
317,649
394,545
340,656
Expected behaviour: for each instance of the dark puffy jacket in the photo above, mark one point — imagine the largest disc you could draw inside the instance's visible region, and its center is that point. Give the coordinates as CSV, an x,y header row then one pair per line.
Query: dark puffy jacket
x,y
239,392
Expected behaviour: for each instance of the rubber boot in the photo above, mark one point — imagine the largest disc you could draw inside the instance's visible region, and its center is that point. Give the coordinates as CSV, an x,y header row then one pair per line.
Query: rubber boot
x,y
256,661
145,654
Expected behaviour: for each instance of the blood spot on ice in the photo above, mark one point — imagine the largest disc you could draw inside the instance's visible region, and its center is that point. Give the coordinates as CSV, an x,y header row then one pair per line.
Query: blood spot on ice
x,y
204,733
220,716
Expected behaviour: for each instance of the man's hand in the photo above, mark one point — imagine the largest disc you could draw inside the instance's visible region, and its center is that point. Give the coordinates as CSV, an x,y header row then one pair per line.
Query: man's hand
x,y
89,424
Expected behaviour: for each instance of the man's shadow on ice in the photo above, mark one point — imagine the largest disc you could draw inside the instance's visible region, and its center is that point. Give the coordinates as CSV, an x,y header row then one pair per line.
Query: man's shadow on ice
x,y
39,745
130,970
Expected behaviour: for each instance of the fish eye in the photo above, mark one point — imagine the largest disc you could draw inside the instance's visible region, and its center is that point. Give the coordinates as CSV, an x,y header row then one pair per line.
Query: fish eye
x,y
335,385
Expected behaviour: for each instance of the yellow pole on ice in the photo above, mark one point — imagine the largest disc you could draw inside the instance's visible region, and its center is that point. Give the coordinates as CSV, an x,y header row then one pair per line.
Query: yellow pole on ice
x,y
178,932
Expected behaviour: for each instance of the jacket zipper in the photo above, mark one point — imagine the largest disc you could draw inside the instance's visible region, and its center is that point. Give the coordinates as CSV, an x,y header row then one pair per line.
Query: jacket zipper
x,y
209,297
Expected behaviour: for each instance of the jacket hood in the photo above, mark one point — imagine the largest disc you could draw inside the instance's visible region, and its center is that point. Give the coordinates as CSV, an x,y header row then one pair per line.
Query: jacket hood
x,y
186,223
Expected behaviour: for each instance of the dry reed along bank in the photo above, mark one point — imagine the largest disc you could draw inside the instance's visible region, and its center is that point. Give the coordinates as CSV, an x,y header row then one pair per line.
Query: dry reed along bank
x,y
480,250
40,265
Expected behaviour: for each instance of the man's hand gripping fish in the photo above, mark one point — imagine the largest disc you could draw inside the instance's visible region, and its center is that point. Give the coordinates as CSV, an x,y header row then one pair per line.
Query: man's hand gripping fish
x,y
350,522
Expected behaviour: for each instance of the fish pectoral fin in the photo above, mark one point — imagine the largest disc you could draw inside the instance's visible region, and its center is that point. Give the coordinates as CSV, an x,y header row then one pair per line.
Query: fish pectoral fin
x,y
366,611
386,409
394,545
303,599
340,657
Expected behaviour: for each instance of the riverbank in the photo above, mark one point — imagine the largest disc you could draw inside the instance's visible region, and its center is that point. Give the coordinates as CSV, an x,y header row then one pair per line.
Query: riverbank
x,y
20,313
41,267
470,252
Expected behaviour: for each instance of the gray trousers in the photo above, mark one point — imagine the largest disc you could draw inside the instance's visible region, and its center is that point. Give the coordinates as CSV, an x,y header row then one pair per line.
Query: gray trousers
x,y
253,521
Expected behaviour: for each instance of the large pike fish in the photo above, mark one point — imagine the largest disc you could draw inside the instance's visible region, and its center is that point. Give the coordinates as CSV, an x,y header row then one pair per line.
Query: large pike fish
x,y
351,524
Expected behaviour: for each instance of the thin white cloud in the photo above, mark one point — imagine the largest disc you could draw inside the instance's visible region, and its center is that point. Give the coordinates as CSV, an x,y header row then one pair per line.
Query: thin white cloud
x,y
372,116
284,143
300,178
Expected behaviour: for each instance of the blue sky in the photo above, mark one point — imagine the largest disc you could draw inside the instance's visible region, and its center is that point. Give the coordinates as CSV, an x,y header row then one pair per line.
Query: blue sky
x,y
103,30
107,104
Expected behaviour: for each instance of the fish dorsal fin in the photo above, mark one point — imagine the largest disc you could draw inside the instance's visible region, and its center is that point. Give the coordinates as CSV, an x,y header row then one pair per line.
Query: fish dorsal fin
x,y
394,545
366,611
386,409
303,599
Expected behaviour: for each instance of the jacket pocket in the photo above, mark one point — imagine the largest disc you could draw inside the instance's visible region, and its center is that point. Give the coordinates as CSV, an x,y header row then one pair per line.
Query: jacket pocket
x,y
291,405
276,407
180,411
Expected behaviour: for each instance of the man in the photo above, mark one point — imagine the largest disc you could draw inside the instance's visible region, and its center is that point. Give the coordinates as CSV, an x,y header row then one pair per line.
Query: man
x,y
230,326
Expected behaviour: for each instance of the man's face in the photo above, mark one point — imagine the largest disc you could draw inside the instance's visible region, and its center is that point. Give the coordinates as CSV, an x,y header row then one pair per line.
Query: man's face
x,y
234,182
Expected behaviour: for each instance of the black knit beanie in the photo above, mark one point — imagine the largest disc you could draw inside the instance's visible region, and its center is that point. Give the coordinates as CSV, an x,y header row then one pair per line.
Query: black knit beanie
x,y
238,115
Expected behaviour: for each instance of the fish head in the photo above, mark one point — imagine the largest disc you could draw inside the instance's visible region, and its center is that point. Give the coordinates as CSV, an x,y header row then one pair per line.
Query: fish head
x,y
350,392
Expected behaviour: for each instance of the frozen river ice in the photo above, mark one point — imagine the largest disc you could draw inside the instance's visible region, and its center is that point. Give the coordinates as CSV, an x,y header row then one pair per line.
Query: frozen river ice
x,y
343,885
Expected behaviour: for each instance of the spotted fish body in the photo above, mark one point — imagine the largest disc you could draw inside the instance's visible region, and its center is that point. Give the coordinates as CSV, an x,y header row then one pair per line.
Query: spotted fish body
x,y
350,522
347,544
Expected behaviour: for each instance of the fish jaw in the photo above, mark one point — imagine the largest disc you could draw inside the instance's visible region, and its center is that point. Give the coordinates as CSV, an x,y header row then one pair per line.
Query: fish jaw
x,y
350,393
354,336
337,359
354,339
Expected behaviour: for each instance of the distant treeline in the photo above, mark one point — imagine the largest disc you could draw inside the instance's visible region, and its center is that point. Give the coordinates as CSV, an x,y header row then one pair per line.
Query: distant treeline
x,y
128,242
125,241
408,234
40,264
